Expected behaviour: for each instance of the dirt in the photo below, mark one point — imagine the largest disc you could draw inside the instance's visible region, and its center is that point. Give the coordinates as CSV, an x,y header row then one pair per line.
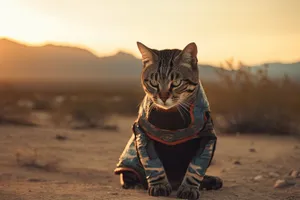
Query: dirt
x,y
80,167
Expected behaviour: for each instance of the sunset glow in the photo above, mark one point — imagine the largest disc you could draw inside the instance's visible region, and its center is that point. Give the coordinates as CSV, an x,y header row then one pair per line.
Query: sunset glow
x,y
254,31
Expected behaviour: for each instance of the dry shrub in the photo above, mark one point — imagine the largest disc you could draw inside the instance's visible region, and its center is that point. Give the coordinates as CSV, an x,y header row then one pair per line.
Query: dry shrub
x,y
30,158
252,102
10,112
80,114
15,116
16,119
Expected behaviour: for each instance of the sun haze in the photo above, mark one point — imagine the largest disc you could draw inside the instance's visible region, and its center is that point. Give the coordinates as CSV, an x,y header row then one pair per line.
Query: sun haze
x,y
254,31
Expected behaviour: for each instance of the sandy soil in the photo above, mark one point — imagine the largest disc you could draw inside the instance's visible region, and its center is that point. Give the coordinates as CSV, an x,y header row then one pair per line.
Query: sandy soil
x,y
81,167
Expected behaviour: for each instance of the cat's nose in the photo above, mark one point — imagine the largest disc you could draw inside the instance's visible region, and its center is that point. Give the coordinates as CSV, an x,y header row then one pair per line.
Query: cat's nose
x,y
164,96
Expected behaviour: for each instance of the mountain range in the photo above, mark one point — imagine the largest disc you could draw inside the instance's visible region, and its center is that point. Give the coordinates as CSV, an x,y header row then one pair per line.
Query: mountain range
x,y
66,63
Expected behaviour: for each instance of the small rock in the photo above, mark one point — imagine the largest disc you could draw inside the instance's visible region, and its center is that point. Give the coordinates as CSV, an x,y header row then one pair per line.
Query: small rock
x,y
258,178
294,174
274,174
252,150
281,183
36,180
60,137
296,147
29,190
224,170
237,162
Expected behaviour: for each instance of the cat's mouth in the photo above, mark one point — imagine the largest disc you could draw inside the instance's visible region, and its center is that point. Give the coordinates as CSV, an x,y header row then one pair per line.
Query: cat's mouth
x,y
165,104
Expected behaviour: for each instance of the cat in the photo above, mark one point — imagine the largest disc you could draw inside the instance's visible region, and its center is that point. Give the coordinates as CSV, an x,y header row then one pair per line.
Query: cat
x,y
173,140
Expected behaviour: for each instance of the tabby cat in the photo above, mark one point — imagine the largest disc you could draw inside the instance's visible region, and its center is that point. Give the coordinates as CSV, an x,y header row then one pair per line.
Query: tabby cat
x,y
173,140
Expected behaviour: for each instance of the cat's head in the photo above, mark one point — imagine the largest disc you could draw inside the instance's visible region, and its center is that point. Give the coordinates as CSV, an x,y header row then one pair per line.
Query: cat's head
x,y
169,76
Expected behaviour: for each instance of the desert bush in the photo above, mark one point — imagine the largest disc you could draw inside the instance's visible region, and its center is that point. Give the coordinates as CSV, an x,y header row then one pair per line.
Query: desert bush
x,y
252,102
10,112
82,114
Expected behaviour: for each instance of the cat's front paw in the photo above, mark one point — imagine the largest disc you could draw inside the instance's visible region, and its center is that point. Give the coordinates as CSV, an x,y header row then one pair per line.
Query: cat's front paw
x,y
188,192
161,189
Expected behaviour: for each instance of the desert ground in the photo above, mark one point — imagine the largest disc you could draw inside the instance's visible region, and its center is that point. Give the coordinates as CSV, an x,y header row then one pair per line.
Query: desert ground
x,y
79,165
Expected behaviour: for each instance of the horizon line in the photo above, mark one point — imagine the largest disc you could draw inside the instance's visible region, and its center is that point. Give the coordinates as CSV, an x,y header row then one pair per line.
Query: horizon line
x,y
123,50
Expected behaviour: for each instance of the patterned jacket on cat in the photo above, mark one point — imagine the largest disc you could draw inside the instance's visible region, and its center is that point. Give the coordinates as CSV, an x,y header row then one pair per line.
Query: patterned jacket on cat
x,y
165,158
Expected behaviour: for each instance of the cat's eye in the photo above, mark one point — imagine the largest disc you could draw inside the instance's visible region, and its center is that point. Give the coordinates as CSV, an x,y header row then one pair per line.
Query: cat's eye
x,y
176,82
153,83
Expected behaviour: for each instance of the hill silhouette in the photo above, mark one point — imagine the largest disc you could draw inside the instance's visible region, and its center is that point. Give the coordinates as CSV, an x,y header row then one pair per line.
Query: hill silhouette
x,y
66,63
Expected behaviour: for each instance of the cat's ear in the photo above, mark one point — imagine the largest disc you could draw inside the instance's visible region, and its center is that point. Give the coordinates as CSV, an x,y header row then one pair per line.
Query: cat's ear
x,y
189,54
190,50
148,56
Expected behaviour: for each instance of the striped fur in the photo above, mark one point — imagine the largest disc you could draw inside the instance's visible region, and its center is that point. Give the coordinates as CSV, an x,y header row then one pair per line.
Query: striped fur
x,y
169,76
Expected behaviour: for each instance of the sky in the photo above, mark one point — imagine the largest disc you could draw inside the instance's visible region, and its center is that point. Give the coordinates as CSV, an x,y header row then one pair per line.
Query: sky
x,y
253,31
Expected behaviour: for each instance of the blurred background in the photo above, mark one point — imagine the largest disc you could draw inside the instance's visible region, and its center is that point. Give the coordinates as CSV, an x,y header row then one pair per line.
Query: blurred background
x,y
65,59
70,72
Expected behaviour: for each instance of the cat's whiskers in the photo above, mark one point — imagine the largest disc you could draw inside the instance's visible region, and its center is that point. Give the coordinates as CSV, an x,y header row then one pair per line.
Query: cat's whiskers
x,y
181,113
185,111
185,106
